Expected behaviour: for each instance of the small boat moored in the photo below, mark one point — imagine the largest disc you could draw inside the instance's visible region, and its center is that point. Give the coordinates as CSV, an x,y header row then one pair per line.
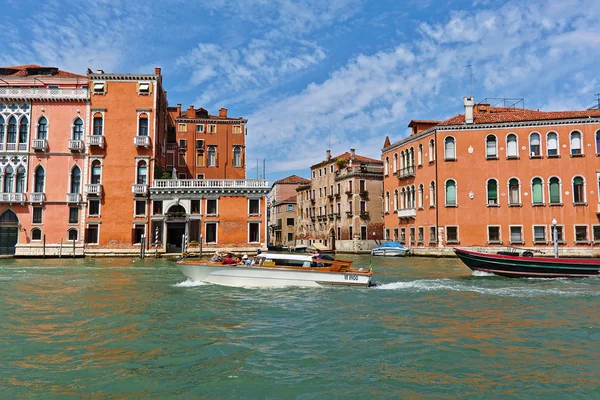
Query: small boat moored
x,y
392,249
516,265
271,269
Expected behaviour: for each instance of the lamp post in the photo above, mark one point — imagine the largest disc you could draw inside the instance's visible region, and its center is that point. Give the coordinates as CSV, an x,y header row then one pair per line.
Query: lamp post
x,y
555,237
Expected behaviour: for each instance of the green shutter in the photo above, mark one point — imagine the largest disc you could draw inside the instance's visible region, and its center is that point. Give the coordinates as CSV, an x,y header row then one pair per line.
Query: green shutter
x,y
554,192
492,191
450,192
537,190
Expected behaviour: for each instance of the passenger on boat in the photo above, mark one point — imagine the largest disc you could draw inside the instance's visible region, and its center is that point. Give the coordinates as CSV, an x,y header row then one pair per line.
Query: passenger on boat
x,y
229,259
216,257
246,260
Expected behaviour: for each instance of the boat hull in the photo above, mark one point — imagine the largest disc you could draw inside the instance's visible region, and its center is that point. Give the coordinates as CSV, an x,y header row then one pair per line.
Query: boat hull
x,y
245,276
529,267
389,252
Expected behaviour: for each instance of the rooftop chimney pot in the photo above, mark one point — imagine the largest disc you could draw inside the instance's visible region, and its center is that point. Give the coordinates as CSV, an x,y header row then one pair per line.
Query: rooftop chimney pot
x,y
157,71
328,155
469,103
99,71
223,112
352,154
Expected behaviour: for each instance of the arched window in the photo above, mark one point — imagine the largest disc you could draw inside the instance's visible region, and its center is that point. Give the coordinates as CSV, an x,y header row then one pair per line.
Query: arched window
x,y
432,194
1,131
554,187
387,165
142,173
395,199
9,180
72,234
395,162
403,199
20,179
42,132
414,195
412,157
552,144
39,178
514,196
535,145
78,129
449,148
597,140
578,190
23,130
450,192
420,155
143,125
491,147
402,160
212,156
9,217
387,202
492,192
36,234
98,123
96,172
512,146
237,157
431,150
576,148
75,180
537,191
420,197
12,130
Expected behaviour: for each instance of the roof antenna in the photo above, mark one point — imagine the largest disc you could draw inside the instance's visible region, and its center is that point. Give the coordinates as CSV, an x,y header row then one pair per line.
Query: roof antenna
x,y
471,78
598,96
329,136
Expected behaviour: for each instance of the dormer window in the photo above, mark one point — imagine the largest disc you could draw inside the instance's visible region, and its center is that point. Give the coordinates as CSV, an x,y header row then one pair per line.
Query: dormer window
x,y
144,88
99,88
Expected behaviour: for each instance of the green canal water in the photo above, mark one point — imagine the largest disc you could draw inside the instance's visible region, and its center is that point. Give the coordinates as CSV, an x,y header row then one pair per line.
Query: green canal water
x,y
123,328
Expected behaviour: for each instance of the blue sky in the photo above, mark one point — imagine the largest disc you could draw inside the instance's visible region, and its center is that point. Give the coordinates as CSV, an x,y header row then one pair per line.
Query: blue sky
x,y
308,72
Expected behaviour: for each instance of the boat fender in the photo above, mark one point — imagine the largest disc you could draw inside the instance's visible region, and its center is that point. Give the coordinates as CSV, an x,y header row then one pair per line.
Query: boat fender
x,y
527,254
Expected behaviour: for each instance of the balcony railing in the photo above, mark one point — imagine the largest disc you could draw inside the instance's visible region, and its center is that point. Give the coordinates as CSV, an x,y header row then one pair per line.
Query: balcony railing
x,y
11,146
93,189
141,141
96,140
406,172
407,213
39,144
139,189
36,197
13,197
364,214
43,93
210,184
76,145
73,197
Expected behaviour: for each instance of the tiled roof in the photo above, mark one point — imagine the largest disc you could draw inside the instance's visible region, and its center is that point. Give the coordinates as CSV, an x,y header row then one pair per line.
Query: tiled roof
x,y
292,179
501,114
201,113
346,156
423,121
291,199
34,70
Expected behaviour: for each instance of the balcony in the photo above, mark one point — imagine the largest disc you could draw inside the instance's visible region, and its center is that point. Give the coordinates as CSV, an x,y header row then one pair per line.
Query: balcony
x,y
139,189
39,144
331,216
338,195
96,140
37,197
364,214
364,194
337,215
349,192
406,172
73,197
330,197
349,214
214,186
93,189
43,93
407,213
141,141
76,145
13,197
312,218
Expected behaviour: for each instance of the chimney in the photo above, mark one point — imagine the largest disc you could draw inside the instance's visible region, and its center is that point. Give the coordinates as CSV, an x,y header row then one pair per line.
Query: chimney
x,y
99,71
223,112
469,103
179,109
157,71
191,112
328,155
352,154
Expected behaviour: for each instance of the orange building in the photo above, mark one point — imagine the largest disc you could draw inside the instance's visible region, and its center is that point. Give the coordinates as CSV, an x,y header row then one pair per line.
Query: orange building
x,y
43,120
282,210
496,176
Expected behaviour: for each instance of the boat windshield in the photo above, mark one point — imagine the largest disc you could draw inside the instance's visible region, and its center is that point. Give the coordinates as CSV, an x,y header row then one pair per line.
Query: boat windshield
x,y
392,244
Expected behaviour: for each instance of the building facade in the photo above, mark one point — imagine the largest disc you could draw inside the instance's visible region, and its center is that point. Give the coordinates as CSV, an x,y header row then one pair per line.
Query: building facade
x,y
282,209
341,209
496,176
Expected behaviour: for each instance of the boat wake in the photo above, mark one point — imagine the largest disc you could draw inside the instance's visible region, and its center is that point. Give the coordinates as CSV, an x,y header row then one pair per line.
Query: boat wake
x,y
190,283
482,273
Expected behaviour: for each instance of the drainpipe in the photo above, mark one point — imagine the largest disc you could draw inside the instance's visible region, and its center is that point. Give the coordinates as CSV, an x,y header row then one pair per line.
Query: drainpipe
x,y
437,206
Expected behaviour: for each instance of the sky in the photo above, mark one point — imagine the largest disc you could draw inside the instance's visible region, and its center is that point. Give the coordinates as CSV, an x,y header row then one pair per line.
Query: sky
x,y
311,74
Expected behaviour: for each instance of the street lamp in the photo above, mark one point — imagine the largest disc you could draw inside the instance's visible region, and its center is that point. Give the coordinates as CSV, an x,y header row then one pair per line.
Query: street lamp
x,y
555,237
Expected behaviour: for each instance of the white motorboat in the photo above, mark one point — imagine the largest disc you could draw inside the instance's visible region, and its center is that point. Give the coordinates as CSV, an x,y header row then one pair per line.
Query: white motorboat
x,y
278,270
391,249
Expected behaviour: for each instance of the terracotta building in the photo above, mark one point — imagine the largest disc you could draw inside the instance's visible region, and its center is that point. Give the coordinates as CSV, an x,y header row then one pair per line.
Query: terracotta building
x,y
282,210
341,209
496,176
44,114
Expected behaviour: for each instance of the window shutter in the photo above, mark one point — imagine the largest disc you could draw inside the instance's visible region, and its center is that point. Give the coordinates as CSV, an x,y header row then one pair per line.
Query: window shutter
x,y
492,190
537,190
552,142
450,193
554,192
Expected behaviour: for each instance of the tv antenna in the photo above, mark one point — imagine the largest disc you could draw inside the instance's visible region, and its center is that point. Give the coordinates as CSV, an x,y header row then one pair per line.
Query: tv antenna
x,y
598,98
470,66
329,136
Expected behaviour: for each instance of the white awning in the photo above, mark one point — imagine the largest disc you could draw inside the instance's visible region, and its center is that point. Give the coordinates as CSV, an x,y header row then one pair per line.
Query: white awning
x,y
98,86
144,87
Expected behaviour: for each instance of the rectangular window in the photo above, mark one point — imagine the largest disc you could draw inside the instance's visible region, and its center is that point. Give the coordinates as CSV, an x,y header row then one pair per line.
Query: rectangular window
x,y
363,206
421,234
350,209
199,128
516,234
182,175
73,215
140,208
200,159
199,176
290,207
182,143
97,126
559,233
195,207
395,234
181,159
350,233
452,234
211,232
138,233
539,234
237,129
94,208
494,235
199,144
581,233
432,234
254,206
170,159
387,234
211,206
363,233
412,234
99,87
157,207
290,222
596,233
182,127
211,128
92,234
144,88
403,235
290,237
253,232
37,215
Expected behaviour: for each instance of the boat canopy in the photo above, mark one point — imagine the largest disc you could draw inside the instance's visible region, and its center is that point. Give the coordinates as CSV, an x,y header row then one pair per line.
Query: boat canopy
x,y
391,245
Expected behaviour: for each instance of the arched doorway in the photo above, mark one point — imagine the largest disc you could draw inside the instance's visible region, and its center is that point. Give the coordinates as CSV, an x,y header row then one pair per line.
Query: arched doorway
x,y
9,233
176,221
332,239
